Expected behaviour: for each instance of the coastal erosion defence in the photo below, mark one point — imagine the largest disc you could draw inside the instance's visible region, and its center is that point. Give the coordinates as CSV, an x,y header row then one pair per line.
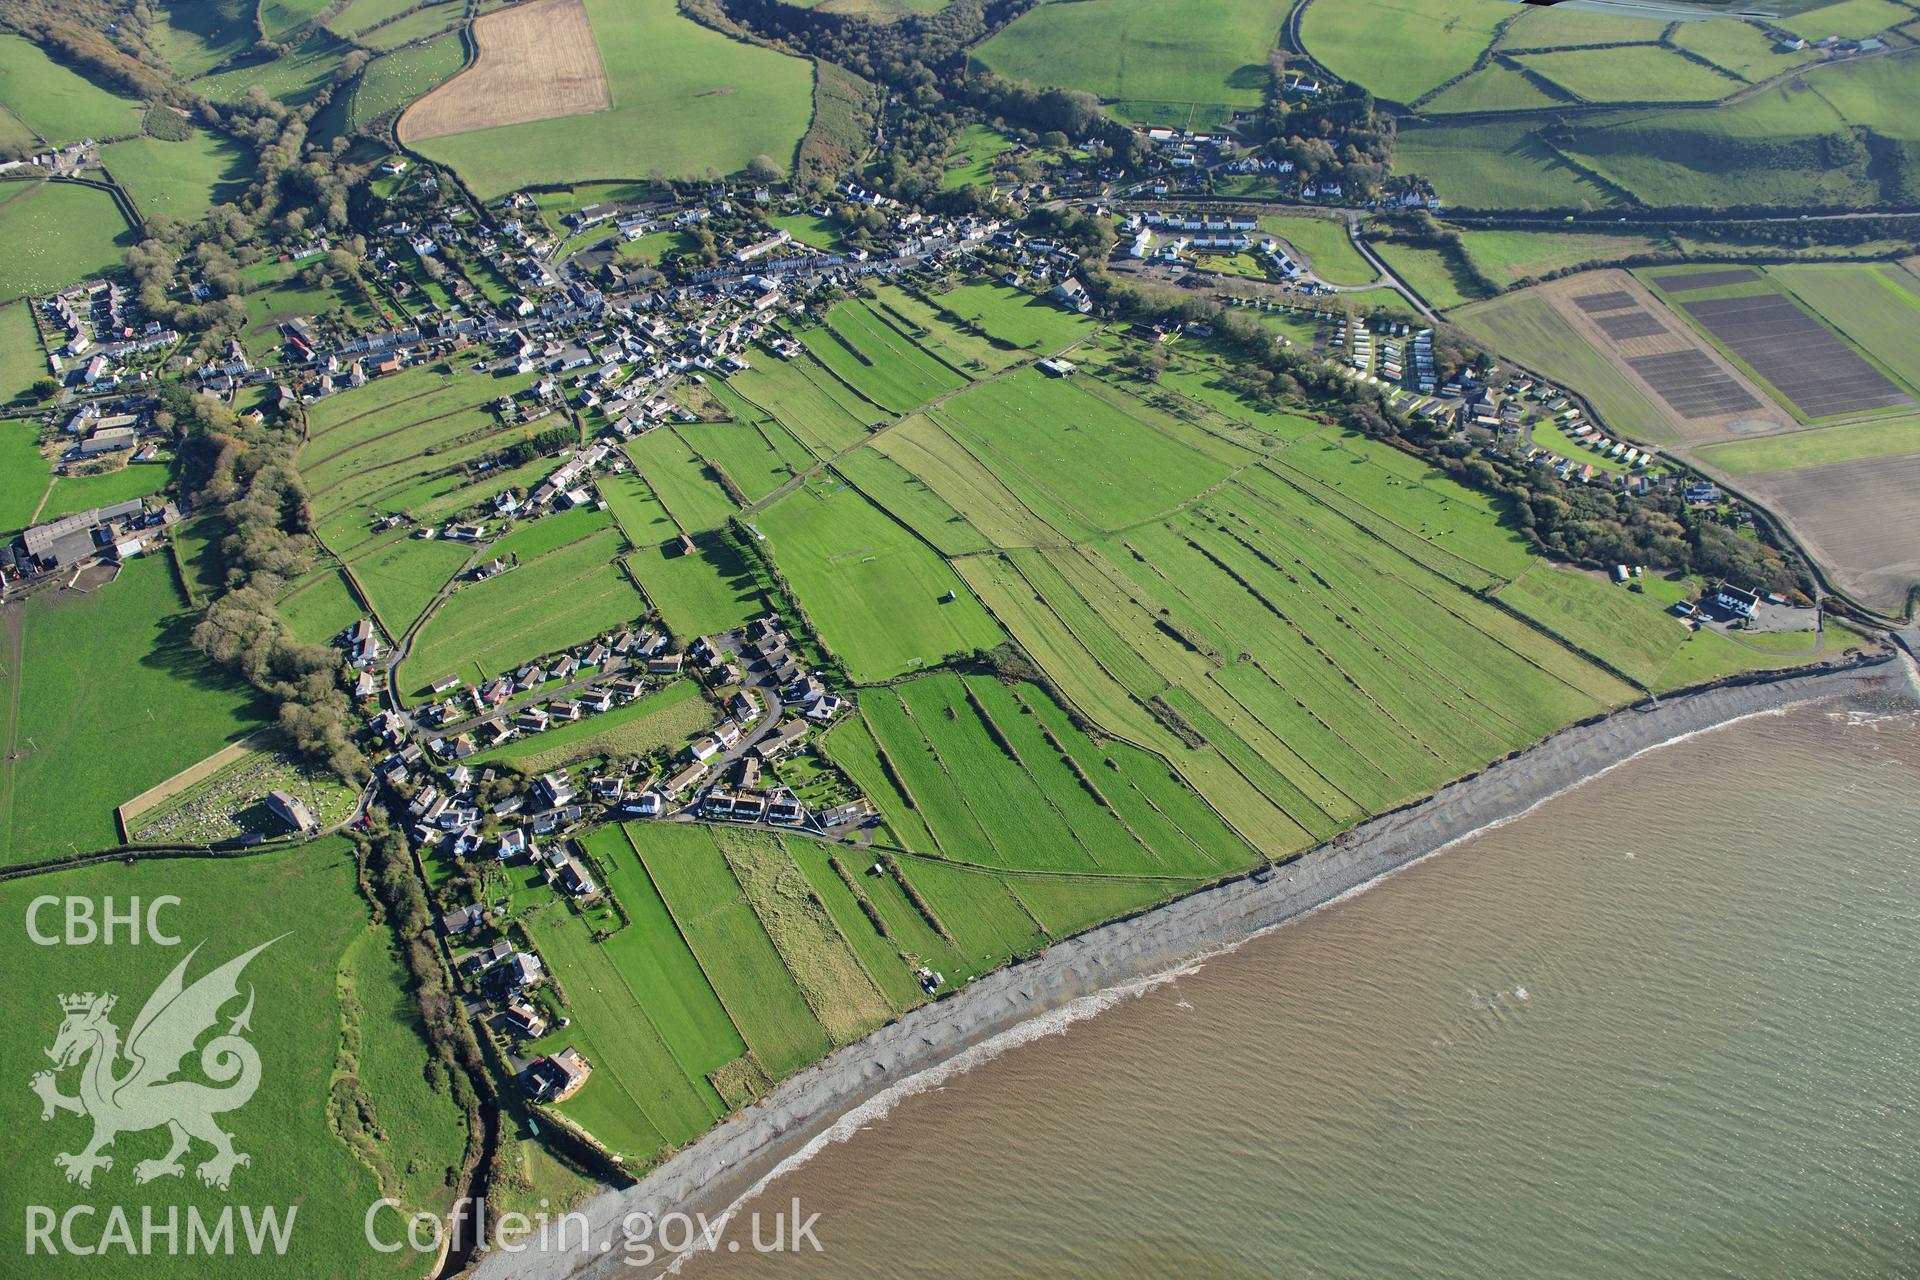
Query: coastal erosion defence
x,y
857,1083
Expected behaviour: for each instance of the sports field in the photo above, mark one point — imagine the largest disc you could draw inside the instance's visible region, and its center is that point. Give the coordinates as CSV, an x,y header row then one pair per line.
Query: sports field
x,y
658,92
1157,61
325,977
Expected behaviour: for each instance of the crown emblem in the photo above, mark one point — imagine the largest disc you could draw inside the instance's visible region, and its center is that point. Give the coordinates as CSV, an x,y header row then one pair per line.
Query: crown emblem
x,y
84,1001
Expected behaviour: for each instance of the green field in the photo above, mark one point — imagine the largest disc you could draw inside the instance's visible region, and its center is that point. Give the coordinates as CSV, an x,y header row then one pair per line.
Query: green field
x,y
1783,146
543,604
1849,19
393,81
666,718
1559,28
685,98
824,413
1428,272
1148,57
59,233
878,595
1630,73
971,158
323,971
732,946
1492,88
1884,438
59,104
89,677
195,36
1079,455
754,452
296,77
873,357
1512,256
320,607
406,443
685,483
23,474
710,589
273,296
1740,47
1525,326
1327,248
1495,165
78,493
180,179
1402,49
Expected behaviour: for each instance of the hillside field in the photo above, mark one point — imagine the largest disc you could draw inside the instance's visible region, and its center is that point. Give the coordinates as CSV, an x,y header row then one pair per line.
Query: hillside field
x,y
683,98
325,968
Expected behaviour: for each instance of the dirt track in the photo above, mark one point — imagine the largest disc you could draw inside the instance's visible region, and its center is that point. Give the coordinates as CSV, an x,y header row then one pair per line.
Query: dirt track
x,y
537,61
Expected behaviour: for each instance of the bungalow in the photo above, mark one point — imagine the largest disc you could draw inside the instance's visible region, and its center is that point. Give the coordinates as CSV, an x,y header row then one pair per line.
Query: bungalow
x,y
513,843
597,700
666,664
855,812
460,920
555,788
786,809
533,719
705,748
826,708
686,778
781,741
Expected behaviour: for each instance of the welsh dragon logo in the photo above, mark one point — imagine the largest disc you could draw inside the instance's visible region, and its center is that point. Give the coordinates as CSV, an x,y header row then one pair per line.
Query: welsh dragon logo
x,y
132,1088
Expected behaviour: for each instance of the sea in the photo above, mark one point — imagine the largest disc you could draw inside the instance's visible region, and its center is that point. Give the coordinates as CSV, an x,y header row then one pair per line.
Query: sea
x,y
1666,1024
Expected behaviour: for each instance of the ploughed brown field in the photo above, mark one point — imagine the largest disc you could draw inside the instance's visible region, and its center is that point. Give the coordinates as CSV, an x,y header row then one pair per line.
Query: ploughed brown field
x,y
537,61
1857,518
1700,395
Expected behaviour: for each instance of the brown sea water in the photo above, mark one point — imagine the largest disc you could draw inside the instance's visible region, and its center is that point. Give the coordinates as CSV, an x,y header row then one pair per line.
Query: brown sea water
x,y
1667,1024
